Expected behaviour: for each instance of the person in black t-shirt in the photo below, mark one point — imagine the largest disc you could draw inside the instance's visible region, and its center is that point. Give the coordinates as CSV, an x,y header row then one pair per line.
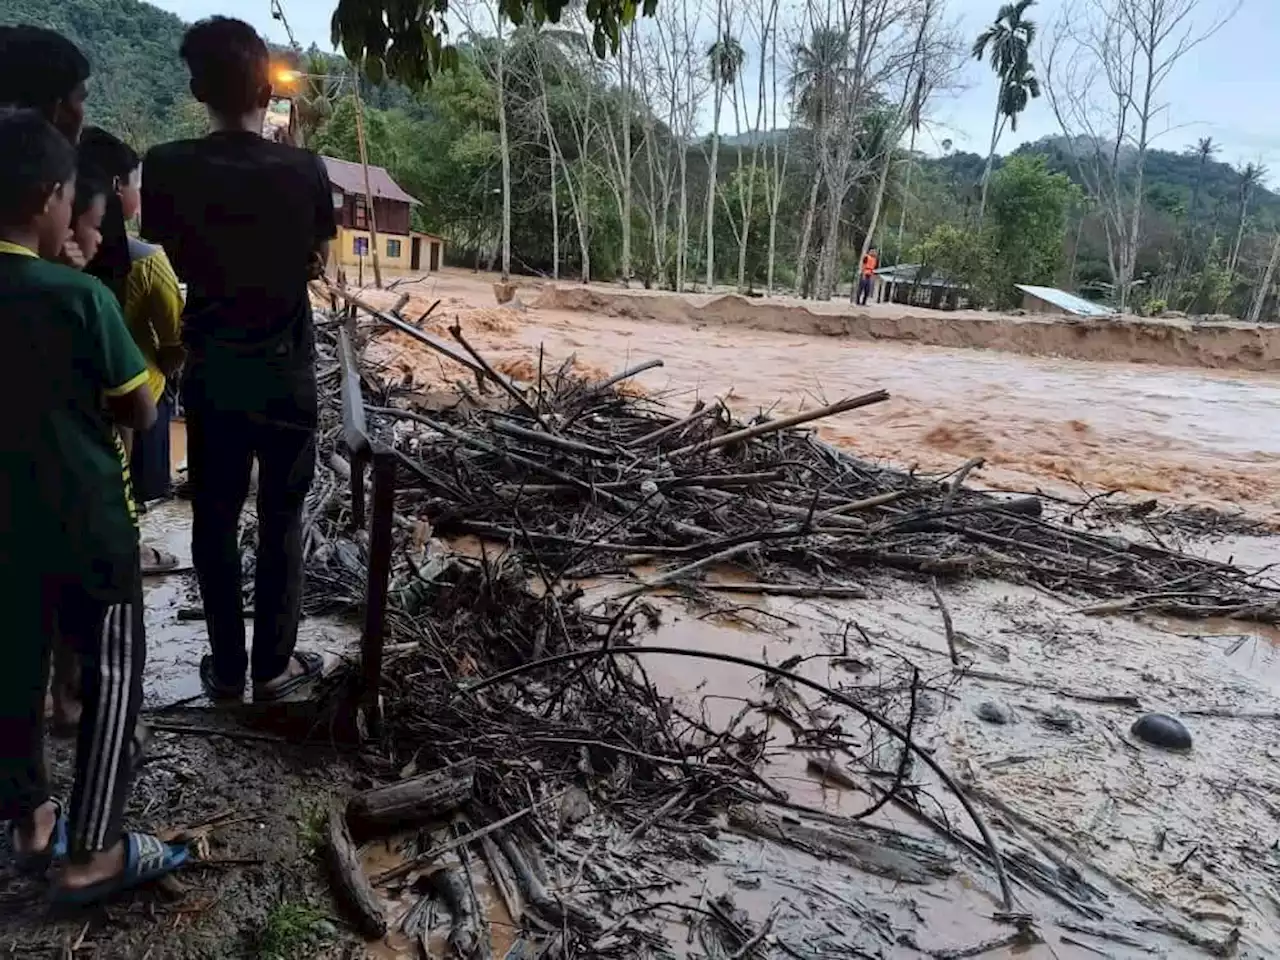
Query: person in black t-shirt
x,y
245,223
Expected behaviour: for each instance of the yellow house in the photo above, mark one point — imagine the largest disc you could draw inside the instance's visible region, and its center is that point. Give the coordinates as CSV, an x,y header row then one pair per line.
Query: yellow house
x,y
399,246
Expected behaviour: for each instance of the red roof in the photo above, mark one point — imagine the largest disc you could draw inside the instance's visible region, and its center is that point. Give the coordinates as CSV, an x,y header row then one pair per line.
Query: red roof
x,y
349,178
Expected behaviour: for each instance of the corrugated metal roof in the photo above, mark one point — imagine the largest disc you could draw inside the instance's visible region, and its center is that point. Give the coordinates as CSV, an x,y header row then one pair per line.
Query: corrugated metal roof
x,y
349,178
907,272
1067,301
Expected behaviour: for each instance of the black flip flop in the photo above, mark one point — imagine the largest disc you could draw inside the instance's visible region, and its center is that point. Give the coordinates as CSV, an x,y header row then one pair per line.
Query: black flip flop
x,y
274,690
214,688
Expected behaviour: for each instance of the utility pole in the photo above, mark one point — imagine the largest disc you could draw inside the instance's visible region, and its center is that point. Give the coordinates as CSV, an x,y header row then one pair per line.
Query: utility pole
x,y
368,192
277,13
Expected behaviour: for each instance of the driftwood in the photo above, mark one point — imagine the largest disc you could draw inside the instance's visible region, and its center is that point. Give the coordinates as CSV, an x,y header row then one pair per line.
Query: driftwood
x,y
412,801
353,886
450,885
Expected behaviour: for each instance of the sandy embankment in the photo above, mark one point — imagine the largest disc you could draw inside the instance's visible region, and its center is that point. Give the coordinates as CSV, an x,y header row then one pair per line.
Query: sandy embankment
x,y
1219,345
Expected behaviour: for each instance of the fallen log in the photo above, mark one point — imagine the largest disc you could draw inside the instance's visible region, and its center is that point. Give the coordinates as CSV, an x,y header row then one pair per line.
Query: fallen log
x,y
412,801
353,886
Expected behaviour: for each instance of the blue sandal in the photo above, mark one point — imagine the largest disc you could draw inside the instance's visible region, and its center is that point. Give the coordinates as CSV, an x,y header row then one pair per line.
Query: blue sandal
x,y
146,858
37,863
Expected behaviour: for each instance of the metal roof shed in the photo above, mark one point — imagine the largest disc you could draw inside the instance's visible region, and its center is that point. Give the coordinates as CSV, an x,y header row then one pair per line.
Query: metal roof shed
x,y
1052,300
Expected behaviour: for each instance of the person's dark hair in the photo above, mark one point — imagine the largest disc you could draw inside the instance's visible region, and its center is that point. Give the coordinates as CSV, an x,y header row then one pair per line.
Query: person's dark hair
x,y
230,65
108,158
91,183
34,159
108,153
38,67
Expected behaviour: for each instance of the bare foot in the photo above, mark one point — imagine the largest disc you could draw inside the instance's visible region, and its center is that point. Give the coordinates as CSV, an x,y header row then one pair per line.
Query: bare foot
x,y
34,834
99,867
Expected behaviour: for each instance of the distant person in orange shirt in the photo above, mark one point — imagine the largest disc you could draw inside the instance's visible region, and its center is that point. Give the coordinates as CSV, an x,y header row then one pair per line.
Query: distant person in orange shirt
x,y
869,263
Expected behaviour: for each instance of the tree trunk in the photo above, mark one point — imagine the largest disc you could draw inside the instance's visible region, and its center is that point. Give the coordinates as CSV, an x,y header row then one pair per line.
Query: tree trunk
x,y
1264,288
625,70
876,206
806,235
829,274
902,218
413,801
555,216
712,165
504,144
991,159
682,223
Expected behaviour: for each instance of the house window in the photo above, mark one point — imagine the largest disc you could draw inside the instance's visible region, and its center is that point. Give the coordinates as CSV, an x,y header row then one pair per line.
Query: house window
x,y
361,213
393,249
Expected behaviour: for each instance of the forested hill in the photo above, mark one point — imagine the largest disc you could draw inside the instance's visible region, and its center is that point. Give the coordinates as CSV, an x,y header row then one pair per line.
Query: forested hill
x,y
139,90
1170,176
139,85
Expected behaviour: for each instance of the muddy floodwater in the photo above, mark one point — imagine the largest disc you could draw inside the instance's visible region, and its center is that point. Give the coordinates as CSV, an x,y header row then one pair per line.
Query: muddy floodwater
x,y
1178,433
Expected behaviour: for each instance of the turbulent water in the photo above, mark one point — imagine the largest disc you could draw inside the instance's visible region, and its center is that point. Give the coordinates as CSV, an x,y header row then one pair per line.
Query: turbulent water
x,y
1179,433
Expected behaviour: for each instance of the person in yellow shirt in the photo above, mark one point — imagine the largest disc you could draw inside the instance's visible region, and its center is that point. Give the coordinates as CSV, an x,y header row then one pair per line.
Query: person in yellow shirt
x,y
143,280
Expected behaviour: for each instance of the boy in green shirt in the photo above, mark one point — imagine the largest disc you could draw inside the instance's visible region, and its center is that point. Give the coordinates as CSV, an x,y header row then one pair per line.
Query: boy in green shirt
x,y
68,547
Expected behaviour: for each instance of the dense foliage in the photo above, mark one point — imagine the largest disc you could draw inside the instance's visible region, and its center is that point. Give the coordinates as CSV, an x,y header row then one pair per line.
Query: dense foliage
x,y
578,128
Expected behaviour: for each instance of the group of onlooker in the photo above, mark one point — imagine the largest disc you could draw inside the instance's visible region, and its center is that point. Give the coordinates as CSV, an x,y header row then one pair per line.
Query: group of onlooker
x,y
97,333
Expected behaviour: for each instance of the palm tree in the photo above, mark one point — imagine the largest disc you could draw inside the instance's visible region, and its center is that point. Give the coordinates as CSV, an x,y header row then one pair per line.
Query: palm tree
x,y
1007,44
1205,148
725,58
1251,178
820,66
817,87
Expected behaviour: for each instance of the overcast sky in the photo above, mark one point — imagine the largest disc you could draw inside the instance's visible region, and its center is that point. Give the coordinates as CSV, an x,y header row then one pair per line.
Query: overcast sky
x,y
1229,88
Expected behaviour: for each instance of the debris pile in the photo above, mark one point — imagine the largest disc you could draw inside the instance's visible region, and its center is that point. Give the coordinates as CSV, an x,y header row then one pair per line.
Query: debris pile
x,y
562,481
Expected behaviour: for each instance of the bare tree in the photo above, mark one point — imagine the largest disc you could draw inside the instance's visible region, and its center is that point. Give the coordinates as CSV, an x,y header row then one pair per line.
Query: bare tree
x,y
725,58
1264,288
777,155
934,61
1106,66
764,24
617,119
670,82
571,69
879,48
491,53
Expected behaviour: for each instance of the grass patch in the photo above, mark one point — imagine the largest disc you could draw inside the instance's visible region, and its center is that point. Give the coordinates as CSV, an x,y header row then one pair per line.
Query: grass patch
x,y
292,931
313,829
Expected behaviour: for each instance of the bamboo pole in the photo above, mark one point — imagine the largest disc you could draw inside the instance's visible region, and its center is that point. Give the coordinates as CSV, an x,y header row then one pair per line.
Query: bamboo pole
x,y
773,426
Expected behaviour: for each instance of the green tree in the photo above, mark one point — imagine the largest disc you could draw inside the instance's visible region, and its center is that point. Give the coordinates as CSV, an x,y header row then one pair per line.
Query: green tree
x,y
1027,224
960,255
1007,43
405,41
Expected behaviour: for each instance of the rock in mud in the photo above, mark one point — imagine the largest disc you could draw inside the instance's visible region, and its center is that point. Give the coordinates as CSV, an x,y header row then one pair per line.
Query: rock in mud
x,y
995,711
1060,718
1162,730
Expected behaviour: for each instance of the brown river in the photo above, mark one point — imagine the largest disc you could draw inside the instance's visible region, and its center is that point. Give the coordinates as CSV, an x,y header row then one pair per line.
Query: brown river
x,y
1179,433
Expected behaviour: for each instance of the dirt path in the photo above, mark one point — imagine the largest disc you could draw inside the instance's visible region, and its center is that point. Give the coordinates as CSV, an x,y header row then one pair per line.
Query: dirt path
x,y
1188,435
